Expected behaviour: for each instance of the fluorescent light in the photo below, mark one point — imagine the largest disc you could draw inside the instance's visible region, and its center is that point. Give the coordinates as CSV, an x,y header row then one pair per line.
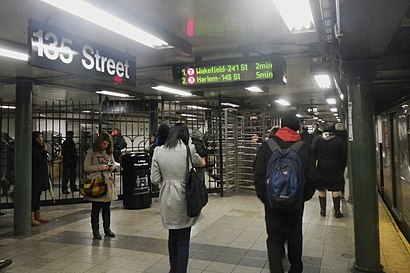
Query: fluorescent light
x,y
13,54
110,93
342,96
254,89
197,107
7,107
188,115
171,90
298,115
323,81
334,110
331,101
108,21
296,14
282,102
229,104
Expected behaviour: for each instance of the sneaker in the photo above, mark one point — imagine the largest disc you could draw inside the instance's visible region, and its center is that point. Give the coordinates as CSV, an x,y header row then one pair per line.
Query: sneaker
x,y
323,212
5,263
65,191
97,236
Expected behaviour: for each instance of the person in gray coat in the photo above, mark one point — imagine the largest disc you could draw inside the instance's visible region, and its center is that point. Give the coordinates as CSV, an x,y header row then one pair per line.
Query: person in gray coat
x,y
169,168
100,161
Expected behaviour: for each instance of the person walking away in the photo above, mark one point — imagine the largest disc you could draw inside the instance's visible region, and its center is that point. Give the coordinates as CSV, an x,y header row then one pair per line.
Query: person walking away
x,y
197,140
331,154
70,158
169,168
39,177
119,144
98,162
305,136
161,137
285,224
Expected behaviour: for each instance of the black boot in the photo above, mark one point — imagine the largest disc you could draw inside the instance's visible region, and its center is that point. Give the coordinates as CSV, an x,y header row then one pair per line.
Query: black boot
x,y
336,204
322,202
107,222
95,224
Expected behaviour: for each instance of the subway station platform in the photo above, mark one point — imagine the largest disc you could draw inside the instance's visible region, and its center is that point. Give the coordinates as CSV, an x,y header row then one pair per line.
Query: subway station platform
x,y
230,238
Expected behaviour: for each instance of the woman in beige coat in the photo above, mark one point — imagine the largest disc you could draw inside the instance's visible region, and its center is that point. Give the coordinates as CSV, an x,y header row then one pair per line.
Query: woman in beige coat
x,y
169,169
100,161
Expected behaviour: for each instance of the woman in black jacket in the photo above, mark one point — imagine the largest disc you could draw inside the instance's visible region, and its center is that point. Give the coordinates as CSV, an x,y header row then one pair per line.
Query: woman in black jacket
x,y
330,153
39,177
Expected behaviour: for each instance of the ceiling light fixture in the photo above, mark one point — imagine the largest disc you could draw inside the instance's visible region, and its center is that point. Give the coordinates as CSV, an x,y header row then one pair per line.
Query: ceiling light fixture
x,y
282,102
108,21
111,93
13,54
254,89
230,104
172,90
7,107
331,101
197,107
323,81
296,14
333,110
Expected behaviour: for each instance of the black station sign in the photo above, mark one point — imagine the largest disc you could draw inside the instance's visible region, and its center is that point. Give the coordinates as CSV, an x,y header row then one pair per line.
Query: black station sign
x,y
258,69
55,49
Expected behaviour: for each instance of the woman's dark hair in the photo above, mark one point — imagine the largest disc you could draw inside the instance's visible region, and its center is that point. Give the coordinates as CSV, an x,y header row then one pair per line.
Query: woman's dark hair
x,y
178,132
35,135
163,132
104,137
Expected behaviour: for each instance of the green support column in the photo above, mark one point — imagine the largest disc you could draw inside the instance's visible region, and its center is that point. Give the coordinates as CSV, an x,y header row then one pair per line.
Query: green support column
x,y
22,165
363,178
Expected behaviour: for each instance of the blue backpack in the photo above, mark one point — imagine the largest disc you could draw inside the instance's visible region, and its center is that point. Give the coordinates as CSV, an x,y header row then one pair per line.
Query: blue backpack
x,y
285,178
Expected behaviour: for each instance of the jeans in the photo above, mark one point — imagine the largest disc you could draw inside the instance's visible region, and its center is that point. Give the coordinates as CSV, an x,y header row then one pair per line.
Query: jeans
x,y
69,173
178,248
281,226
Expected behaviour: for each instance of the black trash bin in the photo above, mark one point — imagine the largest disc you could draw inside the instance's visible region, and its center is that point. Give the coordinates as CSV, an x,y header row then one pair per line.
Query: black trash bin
x,y
136,180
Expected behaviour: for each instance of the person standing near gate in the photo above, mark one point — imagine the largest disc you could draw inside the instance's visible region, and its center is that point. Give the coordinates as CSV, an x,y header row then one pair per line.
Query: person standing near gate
x,y
70,158
39,177
285,224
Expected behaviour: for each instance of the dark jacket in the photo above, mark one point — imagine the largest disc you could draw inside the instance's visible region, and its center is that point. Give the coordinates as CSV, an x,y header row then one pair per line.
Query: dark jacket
x,y
331,155
39,169
285,138
200,147
69,152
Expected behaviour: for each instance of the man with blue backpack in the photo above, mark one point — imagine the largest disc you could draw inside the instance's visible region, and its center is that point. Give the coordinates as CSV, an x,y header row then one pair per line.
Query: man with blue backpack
x,y
285,175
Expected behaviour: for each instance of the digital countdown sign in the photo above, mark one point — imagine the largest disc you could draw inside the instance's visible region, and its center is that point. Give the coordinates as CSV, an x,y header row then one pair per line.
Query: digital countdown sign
x,y
231,71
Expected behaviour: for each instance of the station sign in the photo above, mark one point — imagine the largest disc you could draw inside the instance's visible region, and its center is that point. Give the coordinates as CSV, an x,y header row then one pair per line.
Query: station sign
x,y
270,69
55,49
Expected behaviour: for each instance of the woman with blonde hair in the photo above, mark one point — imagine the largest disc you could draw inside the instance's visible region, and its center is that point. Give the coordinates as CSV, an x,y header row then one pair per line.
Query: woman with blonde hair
x,y
99,161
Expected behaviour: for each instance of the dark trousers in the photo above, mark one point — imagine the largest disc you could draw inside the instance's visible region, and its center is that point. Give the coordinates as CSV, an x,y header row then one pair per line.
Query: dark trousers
x,y
178,248
95,215
35,200
282,226
69,173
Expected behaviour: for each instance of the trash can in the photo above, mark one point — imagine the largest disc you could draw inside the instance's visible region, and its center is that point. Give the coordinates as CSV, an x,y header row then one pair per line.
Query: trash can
x,y
136,180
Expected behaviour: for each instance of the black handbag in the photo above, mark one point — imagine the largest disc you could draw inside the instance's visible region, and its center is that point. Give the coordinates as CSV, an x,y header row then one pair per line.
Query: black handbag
x,y
195,191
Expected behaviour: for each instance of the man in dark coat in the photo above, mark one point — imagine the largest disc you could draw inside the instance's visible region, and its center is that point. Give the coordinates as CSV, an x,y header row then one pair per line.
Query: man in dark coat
x,y
119,144
70,159
284,224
